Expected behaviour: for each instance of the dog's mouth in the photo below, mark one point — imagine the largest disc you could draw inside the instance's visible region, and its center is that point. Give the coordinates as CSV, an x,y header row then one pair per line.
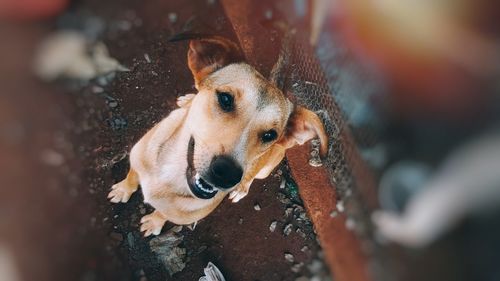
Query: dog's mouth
x,y
198,186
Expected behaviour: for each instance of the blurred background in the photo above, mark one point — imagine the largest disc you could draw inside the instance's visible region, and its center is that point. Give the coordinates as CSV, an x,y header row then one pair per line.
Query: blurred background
x,y
411,87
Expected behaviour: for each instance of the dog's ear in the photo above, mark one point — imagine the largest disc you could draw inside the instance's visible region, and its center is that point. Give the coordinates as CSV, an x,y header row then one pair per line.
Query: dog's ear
x,y
304,125
208,53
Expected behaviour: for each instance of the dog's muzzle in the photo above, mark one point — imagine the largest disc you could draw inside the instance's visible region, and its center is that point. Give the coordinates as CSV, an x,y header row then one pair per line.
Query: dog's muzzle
x,y
198,186
223,173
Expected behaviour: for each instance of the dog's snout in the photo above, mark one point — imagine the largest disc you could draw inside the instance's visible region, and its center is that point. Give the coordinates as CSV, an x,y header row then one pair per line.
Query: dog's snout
x,y
225,172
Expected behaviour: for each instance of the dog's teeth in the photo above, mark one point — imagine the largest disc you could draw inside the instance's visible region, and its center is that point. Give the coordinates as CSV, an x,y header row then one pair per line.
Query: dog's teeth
x,y
197,176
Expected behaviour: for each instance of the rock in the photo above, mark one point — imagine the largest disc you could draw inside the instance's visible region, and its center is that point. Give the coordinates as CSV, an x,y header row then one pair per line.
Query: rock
x,y
168,249
340,206
289,257
112,103
256,207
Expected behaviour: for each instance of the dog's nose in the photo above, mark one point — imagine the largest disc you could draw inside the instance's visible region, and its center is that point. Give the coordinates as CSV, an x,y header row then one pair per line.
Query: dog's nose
x,y
225,172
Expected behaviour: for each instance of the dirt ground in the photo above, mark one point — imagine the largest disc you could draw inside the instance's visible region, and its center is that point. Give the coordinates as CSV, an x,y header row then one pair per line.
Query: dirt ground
x,y
64,144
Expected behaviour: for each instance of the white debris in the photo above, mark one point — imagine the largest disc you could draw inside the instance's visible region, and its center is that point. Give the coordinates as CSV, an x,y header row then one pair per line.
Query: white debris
x,y
282,184
70,54
212,273
147,58
256,207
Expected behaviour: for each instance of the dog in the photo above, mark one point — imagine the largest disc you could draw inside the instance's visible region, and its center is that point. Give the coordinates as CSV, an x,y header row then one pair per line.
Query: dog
x,y
234,130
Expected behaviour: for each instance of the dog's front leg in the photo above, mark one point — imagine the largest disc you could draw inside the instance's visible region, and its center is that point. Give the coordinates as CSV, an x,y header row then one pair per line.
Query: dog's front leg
x,y
122,191
240,191
260,170
185,101
152,223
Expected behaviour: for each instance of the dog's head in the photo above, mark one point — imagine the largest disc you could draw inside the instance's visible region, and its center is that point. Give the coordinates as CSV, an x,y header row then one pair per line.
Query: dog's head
x,y
237,116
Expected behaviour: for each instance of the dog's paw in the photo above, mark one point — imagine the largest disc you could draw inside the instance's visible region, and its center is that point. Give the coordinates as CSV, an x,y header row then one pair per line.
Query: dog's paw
x,y
237,195
119,193
152,223
184,101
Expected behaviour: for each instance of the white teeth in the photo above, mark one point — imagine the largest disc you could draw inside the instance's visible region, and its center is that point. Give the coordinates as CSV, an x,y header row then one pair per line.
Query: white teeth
x,y
200,186
197,176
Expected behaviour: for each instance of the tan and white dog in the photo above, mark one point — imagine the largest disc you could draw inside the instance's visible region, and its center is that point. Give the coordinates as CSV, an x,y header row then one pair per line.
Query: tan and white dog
x,y
235,129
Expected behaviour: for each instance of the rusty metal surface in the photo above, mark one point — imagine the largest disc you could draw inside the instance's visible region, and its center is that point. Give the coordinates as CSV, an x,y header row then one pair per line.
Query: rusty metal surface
x,y
342,249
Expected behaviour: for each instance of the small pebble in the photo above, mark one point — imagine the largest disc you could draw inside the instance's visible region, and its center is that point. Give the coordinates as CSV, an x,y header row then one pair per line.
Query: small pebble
x,y
340,206
256,207
172,17
334,214
146,57
240,221
301,233
289,257
297,267
112,103
272,226
304,249
287,230
350,224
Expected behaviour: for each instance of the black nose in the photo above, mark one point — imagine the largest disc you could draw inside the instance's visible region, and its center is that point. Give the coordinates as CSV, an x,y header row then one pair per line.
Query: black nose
x,y
225,172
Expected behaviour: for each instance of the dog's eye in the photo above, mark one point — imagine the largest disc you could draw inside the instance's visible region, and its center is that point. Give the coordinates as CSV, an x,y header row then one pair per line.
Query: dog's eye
x,y
226,101
269,136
